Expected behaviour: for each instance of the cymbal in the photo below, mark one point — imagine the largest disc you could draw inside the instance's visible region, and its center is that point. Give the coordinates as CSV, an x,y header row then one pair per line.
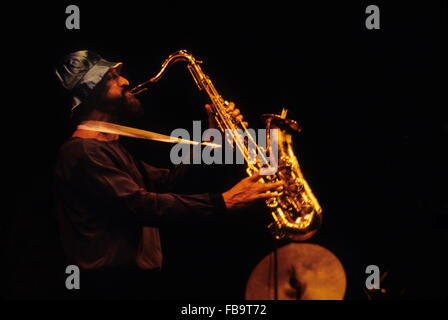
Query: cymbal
x,y
304,272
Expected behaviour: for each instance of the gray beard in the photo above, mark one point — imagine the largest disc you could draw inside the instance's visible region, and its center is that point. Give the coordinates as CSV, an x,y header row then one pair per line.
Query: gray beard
x,y
124,108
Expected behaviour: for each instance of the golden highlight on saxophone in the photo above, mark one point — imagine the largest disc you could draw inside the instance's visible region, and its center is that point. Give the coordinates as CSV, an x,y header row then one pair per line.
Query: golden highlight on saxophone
x,y
295,210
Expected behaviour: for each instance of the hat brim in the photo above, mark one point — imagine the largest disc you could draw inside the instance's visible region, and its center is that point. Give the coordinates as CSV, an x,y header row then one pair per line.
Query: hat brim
x,y
116,65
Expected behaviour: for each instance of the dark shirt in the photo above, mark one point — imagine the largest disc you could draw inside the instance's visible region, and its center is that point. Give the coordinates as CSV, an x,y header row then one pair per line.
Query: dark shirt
x,y
110,205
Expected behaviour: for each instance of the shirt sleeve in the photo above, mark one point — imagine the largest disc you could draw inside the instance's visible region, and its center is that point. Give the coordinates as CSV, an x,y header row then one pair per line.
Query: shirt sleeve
x,y
104,177
164,179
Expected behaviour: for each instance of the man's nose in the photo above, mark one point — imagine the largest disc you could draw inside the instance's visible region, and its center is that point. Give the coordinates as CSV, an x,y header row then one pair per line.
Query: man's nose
x,y
122,81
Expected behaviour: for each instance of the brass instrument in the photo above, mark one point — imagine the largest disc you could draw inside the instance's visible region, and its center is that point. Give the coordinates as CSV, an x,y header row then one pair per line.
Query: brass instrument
x,y
297,214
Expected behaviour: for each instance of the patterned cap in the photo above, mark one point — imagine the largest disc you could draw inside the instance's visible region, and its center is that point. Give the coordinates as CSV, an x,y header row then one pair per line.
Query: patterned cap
x,y
79,73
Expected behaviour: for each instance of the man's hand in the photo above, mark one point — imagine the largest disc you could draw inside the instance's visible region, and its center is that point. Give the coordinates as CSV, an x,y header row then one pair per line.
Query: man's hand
x,y
234,112
248,191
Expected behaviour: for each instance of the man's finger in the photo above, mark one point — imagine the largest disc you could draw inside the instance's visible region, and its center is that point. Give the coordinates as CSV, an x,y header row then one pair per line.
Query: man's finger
x,y
271,186
266,195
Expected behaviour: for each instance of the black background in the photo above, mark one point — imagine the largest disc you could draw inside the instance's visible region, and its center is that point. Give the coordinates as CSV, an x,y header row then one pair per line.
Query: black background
x,y
371,102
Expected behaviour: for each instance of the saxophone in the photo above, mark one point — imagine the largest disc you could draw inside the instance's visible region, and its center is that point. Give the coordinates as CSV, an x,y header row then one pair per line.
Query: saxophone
x,y
295,211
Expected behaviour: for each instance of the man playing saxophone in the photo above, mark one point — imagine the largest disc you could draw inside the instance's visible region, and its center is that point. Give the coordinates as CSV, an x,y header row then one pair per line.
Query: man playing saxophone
x,y
109,204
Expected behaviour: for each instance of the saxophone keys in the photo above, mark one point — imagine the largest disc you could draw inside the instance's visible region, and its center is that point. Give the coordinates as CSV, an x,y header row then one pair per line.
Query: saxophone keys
x,y
272,202
297,185
306,208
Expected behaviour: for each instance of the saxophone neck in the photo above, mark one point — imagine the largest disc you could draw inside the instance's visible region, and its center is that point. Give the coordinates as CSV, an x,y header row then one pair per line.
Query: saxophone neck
x,y
181,55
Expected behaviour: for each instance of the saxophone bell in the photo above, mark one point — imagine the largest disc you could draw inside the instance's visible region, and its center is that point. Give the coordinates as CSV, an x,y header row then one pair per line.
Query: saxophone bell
x,y
296,212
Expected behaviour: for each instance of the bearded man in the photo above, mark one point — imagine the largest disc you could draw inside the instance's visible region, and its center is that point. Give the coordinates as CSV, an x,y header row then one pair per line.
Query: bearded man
x,y
109,204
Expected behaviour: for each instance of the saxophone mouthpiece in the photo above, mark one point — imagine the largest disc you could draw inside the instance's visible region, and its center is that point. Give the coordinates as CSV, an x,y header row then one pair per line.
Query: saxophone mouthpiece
x,y
139,91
